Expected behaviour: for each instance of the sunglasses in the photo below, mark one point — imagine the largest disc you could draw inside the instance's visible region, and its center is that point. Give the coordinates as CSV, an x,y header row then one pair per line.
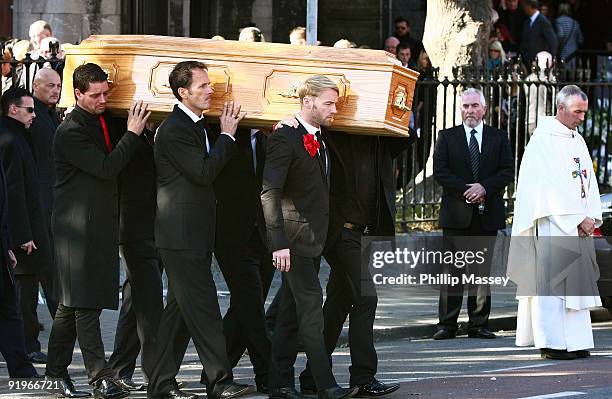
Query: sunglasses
x,y
29,109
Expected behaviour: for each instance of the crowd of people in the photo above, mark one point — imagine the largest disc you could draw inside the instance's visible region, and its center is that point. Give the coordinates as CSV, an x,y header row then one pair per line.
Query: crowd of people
x,y
77,189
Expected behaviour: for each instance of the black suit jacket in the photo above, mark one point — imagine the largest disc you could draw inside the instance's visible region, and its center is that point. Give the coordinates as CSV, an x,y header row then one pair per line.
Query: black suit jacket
x,y
186,199
344,181
85,220
6,271
453,171
539,37
295,195
138,192
40,138
27,218
238,190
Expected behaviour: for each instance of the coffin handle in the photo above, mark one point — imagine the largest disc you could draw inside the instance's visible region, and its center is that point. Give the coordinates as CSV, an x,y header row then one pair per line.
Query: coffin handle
x,y
400,101
108,73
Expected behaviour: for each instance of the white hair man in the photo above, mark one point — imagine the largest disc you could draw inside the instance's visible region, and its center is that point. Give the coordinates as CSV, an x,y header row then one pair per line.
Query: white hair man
x,y
473,164
551,258
38,31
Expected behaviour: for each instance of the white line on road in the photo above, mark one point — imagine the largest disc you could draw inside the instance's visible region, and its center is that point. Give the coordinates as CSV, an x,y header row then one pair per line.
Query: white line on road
x,y
519,367
555,395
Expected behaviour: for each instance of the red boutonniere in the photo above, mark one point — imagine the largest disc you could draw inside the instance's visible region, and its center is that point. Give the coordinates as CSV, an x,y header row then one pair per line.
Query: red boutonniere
x,y
311,144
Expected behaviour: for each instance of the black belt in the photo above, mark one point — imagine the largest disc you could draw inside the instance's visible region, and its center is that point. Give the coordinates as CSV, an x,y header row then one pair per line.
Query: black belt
x,y
365,230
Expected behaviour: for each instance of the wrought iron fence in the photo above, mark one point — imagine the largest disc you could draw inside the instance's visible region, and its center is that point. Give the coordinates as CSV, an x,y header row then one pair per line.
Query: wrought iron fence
x,y
21,72
516,99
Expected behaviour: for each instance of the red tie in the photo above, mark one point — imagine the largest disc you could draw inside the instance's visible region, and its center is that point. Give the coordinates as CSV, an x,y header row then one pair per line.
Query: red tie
x,y
109,146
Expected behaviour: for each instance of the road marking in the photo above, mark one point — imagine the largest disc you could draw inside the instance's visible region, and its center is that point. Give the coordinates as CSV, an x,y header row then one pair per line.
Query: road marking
x,y
519,367
555,395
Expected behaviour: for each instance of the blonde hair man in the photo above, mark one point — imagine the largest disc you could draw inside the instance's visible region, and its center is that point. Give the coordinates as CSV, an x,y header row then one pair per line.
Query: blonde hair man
x,y
295,200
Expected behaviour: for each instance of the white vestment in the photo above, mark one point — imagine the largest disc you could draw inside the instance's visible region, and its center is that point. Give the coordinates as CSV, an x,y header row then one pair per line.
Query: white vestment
x,y
556,190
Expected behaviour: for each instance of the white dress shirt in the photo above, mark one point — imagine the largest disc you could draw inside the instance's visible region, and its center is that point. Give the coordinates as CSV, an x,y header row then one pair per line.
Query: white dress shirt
x,y
195,118
533,18
313,130
478,135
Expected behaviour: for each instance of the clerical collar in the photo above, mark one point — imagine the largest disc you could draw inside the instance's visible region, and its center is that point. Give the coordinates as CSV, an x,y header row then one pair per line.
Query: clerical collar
x,y
195,118
309,128
478,128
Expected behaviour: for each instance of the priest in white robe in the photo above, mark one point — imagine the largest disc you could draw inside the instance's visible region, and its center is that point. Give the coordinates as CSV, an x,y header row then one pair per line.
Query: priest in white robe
x,y
552,258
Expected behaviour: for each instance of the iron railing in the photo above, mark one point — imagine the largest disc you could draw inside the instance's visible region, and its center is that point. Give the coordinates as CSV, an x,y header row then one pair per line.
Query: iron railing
x,y
516,99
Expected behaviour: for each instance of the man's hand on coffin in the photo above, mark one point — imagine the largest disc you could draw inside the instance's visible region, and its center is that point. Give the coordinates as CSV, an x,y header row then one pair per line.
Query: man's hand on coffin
x,y
587,226
137,117
475,192
281,259
288,121
230,117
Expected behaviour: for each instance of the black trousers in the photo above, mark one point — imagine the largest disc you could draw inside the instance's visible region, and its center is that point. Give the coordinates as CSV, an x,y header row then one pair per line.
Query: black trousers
x,y
27,293
300,314
12,343
47,277
193,312
248,273
141,310
350,290
68,325
475,237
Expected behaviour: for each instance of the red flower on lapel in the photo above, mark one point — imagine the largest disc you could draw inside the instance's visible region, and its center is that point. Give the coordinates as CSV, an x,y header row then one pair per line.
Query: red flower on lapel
x,y
311,144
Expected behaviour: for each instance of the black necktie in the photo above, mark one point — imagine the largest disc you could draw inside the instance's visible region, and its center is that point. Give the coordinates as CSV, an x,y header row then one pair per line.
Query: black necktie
x,y
474,155
201,127
322,150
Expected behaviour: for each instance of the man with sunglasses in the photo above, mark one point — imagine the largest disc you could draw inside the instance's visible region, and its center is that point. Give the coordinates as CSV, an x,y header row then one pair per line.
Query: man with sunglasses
x,y
28,226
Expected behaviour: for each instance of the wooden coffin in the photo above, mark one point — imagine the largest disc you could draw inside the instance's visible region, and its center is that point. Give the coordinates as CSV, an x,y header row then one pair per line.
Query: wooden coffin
x,y
375,91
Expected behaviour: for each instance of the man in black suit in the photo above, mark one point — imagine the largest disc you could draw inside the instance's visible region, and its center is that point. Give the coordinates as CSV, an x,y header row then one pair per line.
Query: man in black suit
x,y
362,204
242,254
142,302
86,228
295,199
473,164
27,219
46,90
12,343
538,33
187,165
17,106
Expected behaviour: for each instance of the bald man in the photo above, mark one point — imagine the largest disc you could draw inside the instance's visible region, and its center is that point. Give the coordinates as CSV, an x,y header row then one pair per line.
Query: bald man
x,y
46,87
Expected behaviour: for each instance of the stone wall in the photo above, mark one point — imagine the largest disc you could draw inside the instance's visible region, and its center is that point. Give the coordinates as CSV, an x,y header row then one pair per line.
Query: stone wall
x,y
71,20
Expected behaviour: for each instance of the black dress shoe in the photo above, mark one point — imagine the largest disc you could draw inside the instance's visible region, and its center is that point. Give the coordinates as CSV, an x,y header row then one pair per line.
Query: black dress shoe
x,y
376,388
129,385
284,393
178,394
581,354
262,388
482,332
234,390
108,389
337,393
557,354
37,357
66,388
444,334
308,390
